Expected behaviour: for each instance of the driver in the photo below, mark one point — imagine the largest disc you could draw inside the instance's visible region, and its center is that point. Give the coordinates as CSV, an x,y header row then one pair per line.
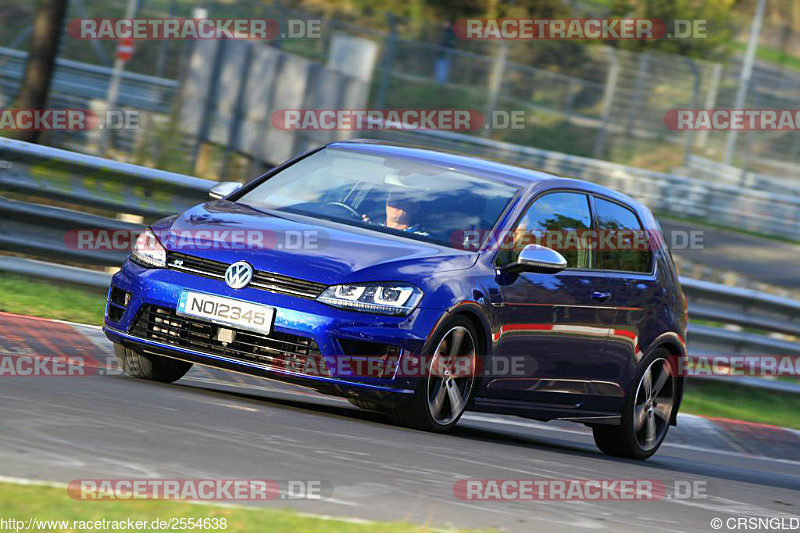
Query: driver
x,y
400,211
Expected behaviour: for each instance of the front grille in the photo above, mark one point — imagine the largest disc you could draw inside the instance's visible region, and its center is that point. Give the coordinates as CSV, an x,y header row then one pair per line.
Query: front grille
x,y
282,351
263,280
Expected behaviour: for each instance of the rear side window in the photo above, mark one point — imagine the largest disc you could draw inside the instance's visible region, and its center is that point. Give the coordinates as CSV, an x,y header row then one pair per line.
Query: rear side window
x,y
627,251
557,213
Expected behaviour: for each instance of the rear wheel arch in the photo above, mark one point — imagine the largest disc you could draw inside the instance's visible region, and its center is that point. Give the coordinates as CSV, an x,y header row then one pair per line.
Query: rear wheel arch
x,y
670,346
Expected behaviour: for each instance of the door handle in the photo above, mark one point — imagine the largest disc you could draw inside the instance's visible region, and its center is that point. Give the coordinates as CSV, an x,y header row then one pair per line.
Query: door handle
x,y
601,295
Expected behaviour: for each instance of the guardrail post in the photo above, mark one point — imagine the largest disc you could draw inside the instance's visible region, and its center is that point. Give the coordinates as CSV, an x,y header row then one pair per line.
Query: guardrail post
x,y
211,106
641,74
495,84
711,100
116,79
690,135
238,110
389,44
608,101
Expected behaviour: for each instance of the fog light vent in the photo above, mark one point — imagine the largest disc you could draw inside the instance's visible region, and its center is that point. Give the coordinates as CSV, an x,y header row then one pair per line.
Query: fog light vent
x,y
118,300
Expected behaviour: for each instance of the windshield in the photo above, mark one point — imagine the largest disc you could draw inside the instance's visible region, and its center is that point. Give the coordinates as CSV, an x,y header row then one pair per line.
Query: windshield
x,y
385,193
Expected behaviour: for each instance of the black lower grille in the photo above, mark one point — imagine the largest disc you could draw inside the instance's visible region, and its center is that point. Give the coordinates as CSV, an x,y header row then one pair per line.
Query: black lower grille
x,y
282,351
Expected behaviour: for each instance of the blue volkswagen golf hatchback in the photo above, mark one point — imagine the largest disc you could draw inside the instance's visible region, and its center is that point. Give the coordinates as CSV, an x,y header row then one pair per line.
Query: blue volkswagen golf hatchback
x,y
418,283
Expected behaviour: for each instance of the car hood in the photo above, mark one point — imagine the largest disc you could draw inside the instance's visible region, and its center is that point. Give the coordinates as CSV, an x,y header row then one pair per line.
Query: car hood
x,y
304,247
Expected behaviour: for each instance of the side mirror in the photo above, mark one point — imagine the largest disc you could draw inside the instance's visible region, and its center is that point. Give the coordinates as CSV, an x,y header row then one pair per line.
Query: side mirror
x,y
536,258
223,189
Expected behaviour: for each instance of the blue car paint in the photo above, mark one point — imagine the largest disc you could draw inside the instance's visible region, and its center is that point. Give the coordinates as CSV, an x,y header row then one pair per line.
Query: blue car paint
x,y
574,376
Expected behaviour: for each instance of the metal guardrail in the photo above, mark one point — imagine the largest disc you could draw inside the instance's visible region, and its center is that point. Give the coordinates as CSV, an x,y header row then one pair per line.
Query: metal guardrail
x,y
715,341
743,307
39,230
95,182
78,82
707,169
717,203
43,231
55,272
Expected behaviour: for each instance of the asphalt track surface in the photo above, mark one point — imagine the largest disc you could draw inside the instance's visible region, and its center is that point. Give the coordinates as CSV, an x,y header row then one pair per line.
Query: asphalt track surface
x,y
761,259
219,425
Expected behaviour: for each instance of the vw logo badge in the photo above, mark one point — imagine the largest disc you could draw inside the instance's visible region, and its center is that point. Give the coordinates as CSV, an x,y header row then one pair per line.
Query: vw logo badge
x,y
238,275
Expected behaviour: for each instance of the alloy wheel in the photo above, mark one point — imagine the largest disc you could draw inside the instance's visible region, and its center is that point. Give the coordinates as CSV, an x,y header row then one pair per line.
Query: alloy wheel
x,y
655,398
451,375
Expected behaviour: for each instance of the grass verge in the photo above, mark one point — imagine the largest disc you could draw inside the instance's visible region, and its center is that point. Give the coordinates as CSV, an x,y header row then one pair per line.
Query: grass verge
x,y
728,400
771,55
43,503
51,300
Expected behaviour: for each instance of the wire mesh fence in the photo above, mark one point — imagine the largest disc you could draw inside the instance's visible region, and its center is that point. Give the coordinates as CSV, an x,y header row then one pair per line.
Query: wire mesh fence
x,y
583,99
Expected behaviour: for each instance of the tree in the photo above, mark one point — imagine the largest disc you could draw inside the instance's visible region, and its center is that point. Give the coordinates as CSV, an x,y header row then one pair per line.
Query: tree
x,y
47,27
716,13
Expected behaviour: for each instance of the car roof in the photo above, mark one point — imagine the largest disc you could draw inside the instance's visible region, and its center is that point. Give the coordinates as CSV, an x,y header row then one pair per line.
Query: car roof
x,y
523,177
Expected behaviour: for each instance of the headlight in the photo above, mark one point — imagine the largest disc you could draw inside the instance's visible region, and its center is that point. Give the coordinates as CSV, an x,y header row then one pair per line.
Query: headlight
x,y
147,251
383,298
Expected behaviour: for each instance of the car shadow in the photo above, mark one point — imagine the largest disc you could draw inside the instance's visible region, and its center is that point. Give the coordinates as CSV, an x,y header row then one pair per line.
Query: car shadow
x,y
734,470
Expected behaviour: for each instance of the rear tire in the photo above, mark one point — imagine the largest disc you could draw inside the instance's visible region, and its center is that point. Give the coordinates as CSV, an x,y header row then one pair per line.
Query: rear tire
x,y
647,413
148,366
450,394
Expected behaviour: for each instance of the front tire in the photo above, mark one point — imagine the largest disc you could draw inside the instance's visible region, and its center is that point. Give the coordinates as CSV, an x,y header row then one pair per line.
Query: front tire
x,y
441,396
148,366
647,413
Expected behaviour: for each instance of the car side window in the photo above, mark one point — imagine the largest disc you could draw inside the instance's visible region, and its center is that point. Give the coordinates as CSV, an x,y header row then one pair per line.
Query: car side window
x,y
554,220
630,252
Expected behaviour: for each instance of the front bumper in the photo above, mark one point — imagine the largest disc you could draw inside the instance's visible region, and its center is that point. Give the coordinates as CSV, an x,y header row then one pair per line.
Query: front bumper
x,y
322,384
296,316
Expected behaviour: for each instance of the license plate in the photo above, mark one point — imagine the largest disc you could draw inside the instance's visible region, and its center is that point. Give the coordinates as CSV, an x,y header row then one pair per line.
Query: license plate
x,y
227,311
